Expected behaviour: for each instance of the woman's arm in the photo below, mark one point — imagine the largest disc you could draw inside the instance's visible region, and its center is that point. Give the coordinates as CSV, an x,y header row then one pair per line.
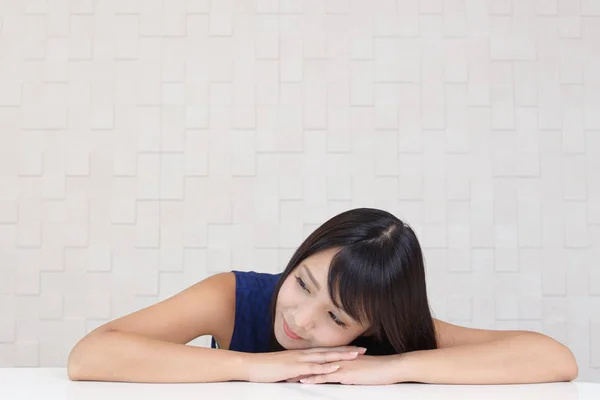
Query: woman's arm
x,y
518,357
129,357
149,345
525,357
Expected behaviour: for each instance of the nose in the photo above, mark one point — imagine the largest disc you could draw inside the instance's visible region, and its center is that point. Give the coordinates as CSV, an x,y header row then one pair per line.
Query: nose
x,y
303,318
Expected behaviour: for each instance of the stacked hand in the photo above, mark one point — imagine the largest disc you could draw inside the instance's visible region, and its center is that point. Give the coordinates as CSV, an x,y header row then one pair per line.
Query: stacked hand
x,y
346,364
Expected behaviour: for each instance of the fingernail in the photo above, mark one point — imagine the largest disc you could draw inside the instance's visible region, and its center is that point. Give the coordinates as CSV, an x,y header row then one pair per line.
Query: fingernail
x,y
362,349
336,367
354,353
303,380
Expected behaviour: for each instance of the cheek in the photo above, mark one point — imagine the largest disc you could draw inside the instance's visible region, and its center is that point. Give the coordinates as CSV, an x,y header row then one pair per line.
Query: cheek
x,y
330,336
287,296
285,301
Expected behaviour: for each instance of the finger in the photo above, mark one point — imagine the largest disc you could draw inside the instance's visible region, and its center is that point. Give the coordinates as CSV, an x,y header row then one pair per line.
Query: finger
x,y
316,379
297,378
338,348
325,356
317,369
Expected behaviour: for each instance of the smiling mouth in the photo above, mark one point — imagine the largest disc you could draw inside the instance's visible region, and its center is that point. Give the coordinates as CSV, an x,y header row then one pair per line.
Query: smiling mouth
x,y
288,331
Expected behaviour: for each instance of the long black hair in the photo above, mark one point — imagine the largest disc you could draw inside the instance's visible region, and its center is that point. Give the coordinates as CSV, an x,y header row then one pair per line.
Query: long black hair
x,y
377,276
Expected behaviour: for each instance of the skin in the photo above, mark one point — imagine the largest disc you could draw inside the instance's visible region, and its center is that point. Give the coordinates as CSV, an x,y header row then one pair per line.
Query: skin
x,y
309,312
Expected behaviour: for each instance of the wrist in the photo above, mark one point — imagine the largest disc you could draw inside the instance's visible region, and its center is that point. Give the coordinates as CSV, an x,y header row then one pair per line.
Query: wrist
x,y
242,365
403,367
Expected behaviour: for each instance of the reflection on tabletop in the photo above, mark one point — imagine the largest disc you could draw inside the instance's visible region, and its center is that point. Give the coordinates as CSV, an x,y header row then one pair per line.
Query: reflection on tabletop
x,y
52,383
550,391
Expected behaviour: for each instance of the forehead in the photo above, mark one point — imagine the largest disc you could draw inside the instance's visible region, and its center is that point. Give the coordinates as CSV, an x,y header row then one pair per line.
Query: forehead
x,y
318,263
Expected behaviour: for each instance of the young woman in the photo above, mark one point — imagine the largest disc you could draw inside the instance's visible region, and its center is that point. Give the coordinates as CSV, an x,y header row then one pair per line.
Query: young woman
x,y
350,307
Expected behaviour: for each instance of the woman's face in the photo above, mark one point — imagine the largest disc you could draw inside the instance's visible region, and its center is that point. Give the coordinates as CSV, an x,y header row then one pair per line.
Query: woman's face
x,y
305,308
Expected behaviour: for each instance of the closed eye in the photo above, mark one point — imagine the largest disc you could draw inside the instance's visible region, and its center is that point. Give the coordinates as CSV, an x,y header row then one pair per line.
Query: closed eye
x,y
335,319
302,284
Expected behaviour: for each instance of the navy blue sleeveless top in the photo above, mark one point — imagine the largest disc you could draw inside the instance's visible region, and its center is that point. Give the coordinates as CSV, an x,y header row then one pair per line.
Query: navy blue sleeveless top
x,y
252,326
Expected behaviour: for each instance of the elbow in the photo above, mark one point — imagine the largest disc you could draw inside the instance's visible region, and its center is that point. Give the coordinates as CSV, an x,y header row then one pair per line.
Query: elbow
x,y
568,369
87,356
73,368
572,370
71,373
568,374
80,352
557,358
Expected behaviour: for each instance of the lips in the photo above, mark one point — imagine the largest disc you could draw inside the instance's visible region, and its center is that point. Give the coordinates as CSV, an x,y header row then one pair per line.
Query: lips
x,y
289,332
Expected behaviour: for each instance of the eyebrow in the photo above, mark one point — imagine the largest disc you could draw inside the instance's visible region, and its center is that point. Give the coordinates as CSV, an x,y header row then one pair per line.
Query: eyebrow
x,y
312,278
314,281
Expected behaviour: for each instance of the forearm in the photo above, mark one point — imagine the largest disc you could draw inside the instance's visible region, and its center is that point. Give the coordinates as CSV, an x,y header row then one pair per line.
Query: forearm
x,y
127,357
525,358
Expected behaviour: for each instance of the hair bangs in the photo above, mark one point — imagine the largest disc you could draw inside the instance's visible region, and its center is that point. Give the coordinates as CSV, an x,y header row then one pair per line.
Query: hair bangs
x,y
358,288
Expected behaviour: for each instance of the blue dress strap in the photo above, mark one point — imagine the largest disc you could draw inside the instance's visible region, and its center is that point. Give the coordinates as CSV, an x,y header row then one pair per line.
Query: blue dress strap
x,y
252,326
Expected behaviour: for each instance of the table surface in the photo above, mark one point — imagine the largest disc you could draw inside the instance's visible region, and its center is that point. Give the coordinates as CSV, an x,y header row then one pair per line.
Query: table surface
x,y
53,383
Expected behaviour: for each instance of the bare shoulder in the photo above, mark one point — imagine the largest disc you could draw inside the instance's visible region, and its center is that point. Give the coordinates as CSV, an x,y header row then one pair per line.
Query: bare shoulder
x,y
451,335
204,308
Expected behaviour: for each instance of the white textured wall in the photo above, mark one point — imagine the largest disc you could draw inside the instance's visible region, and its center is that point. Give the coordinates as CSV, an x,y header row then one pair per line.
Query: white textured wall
x,y
145,146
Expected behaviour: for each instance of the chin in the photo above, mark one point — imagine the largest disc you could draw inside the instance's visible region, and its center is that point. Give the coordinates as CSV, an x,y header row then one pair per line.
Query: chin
x,y
278,338
284,340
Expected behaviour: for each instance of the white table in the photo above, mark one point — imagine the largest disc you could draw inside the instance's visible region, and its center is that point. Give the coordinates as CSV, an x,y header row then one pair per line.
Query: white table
x,y
52,383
